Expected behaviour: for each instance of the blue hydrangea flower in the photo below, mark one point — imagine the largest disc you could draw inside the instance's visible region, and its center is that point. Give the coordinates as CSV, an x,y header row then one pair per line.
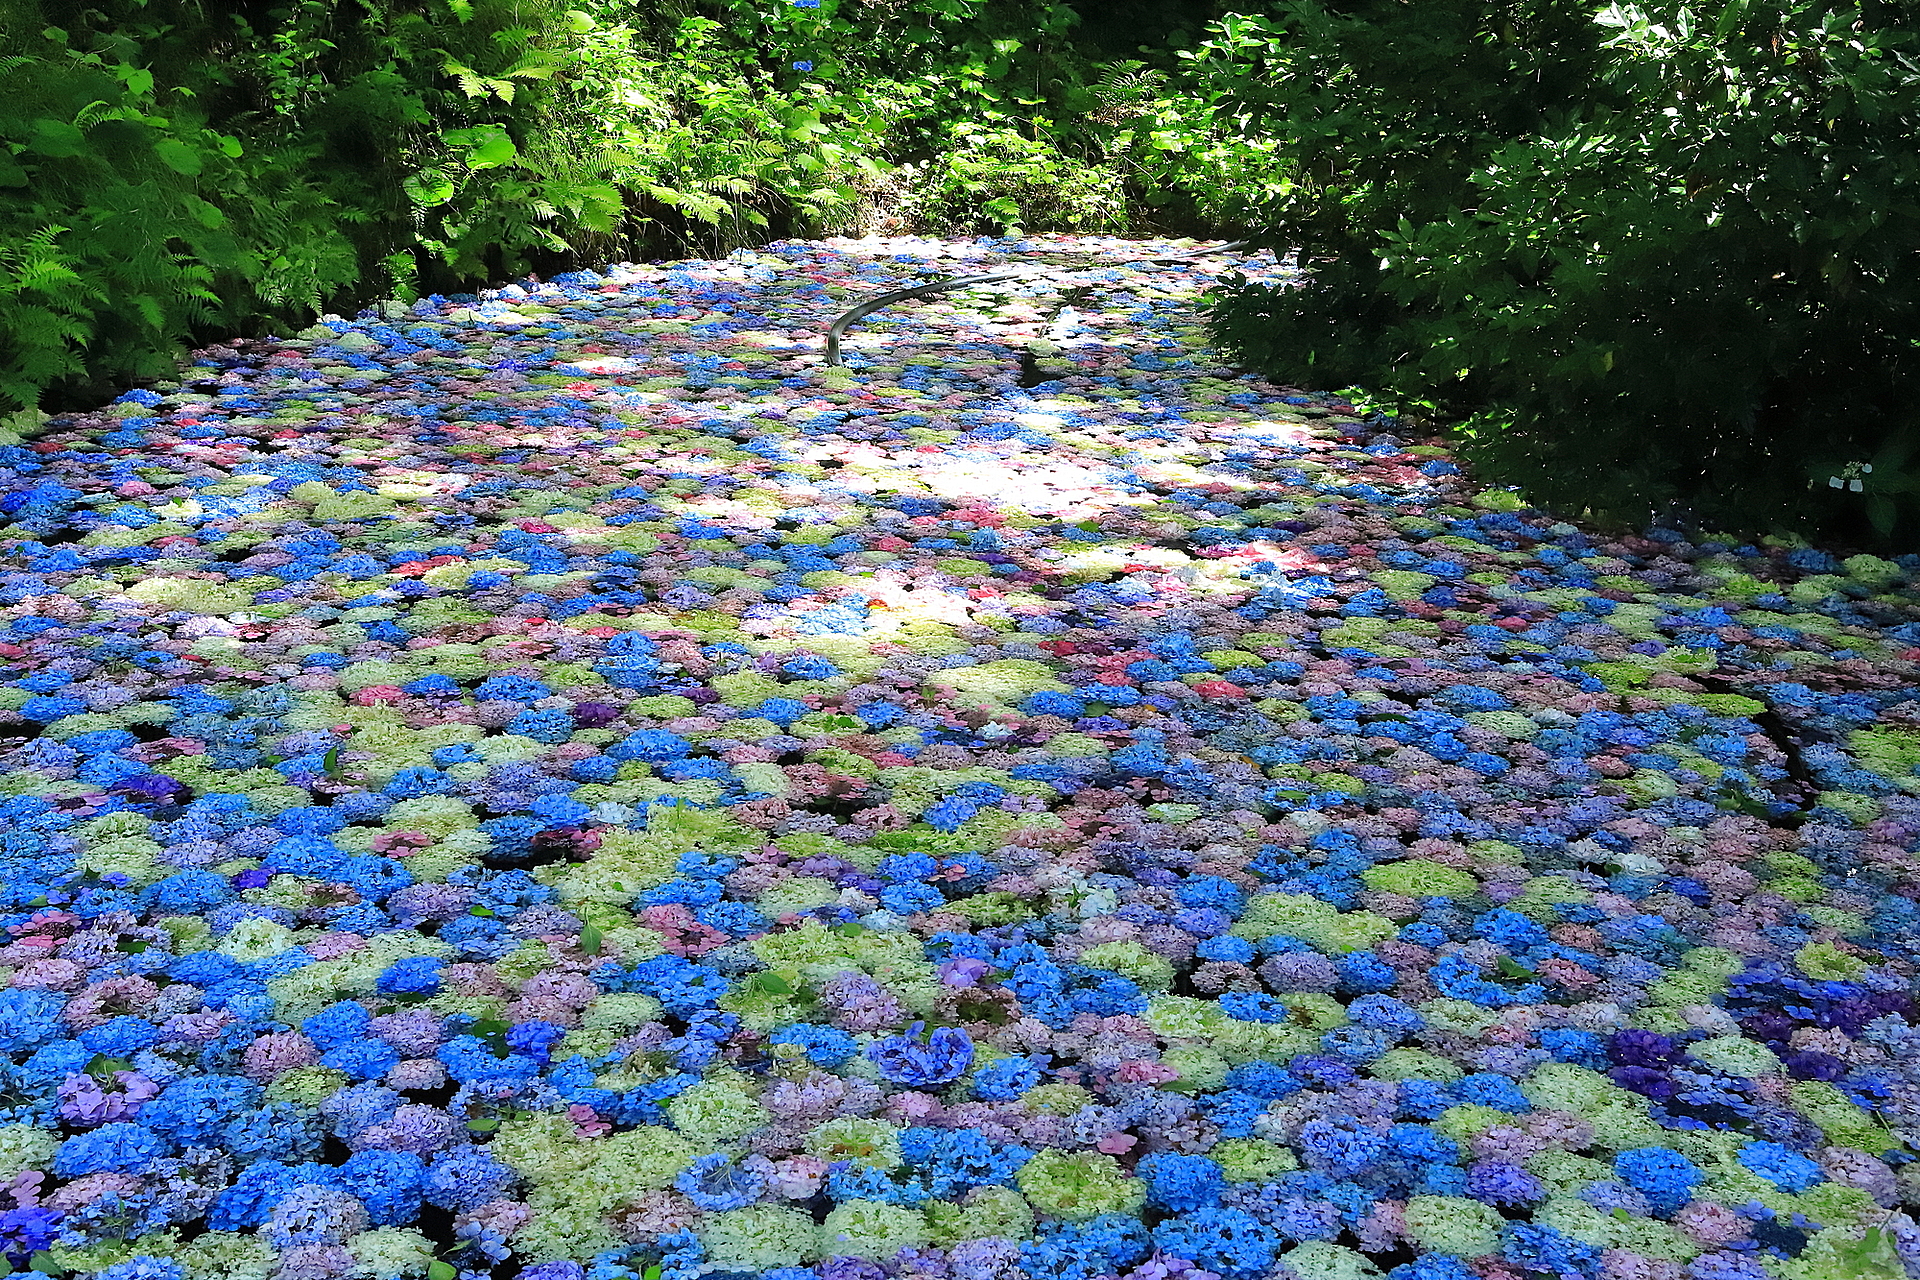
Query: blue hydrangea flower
x,y
1782,1166
939,1058
112,1148
716,1182
416,975
827,1047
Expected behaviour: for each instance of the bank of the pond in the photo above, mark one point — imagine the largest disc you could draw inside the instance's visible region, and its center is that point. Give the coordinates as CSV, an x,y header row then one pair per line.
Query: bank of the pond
x,y
559,783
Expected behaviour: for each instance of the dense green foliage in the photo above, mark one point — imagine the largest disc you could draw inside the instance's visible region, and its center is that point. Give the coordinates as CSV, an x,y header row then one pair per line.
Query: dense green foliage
x,y
1658,257
171,168
169,165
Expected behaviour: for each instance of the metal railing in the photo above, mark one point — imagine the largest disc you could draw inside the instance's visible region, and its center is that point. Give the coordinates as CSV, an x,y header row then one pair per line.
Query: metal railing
x,y
871,305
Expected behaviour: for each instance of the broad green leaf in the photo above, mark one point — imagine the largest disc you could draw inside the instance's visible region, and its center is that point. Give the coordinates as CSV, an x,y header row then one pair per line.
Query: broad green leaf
x,y
1881,514
207,215
493,149
179,157
56,138
428,187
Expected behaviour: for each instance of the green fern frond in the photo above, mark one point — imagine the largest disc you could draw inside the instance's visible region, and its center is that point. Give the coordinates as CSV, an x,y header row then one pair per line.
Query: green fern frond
x,y
471,82
43,327
149,309
94,112
42,277
535,66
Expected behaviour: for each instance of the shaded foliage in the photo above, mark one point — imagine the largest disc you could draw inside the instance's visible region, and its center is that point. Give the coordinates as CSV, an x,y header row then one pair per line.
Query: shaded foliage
x,y
1656,259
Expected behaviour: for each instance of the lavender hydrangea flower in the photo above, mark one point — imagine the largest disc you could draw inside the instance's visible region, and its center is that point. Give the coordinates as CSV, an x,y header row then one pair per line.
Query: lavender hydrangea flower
x,y
85,1104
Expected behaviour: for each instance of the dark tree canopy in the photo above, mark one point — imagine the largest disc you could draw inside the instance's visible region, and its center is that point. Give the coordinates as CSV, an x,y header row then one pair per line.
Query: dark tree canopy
x,y
1657,259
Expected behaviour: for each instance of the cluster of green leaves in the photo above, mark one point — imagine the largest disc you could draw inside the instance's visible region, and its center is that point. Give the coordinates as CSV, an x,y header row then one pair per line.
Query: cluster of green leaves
x,y
956,117
104,241
171,170
1654,258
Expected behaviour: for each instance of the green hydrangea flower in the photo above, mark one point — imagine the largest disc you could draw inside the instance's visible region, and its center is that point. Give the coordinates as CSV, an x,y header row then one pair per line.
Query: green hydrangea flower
x,y
1823,961
1152,971
761,1237
1200,1067
1253,1159
388,1253
1736,1055
307,1086
25,1146
1420,878
1454,1224
563,1226
1324,1260
1057,1098
1322,924
1077,1185
874,1143
1408,1063
983,1213
1845,1124
870,1229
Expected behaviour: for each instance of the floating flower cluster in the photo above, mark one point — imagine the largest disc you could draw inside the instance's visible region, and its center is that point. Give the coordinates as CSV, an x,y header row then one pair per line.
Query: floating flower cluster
x,y
560,784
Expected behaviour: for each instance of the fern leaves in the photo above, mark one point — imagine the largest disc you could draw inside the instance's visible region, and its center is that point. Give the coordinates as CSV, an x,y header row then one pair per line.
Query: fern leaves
x,y
36,264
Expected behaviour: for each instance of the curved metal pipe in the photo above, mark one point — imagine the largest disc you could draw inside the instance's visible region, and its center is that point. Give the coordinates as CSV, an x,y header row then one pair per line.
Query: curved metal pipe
x,y
871,305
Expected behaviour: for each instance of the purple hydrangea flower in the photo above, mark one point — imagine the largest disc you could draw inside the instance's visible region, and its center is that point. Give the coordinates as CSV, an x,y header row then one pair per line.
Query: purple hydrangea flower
x,y
964,971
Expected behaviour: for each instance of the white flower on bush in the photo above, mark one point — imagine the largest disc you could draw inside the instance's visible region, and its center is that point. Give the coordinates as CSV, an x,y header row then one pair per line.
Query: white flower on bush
x,y
1849,477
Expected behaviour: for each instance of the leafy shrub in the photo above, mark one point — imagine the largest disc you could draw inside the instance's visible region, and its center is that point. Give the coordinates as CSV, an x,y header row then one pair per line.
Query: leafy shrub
x,y
1176,148
709,146
999,182
178,170
1657,259
105,243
